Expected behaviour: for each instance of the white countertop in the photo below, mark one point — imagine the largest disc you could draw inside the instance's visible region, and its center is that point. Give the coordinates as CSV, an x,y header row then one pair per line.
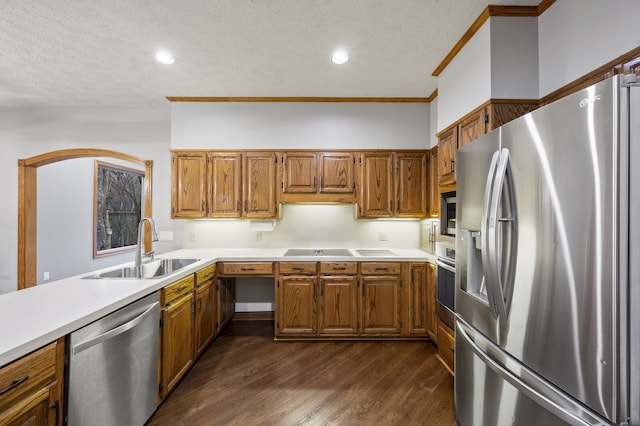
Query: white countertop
x,y
36,316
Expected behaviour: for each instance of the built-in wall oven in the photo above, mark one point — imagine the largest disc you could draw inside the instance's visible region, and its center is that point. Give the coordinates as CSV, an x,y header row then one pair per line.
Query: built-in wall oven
x,y
445,282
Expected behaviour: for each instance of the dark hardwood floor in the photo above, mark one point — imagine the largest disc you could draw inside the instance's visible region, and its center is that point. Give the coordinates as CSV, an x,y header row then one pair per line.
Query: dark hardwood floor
x,y
245,378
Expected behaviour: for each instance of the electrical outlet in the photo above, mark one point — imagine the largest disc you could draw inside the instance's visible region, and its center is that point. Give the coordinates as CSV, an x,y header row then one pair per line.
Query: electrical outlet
x,y
192,237
258,236
383,236
45,276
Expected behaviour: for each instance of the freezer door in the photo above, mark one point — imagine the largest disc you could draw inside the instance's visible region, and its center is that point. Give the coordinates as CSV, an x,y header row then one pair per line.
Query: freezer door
x,y
503,392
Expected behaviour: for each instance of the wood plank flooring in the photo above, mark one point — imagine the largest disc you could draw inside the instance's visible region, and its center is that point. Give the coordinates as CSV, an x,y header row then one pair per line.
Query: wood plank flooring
x,y
245,378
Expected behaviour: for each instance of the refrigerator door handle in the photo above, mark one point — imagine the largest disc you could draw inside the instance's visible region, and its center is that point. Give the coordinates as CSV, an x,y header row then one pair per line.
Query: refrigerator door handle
x,y
503,232
489,278
575,415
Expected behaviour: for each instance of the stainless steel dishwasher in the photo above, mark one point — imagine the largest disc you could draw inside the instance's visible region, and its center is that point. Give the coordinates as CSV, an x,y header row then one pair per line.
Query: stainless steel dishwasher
x,y
113,367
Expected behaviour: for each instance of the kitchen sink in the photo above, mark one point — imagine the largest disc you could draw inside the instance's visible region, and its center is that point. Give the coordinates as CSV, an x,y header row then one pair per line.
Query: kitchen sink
x,y
154,269
318,252
375,252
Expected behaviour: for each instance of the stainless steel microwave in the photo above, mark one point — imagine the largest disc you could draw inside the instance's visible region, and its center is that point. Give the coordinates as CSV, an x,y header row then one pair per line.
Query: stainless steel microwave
x,y
448,213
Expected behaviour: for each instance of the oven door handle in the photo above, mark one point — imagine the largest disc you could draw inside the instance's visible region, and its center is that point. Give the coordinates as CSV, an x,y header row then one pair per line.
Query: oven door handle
x,y
445,266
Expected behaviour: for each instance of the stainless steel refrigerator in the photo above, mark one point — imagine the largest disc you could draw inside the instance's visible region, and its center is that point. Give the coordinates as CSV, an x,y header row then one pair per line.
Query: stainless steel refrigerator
x,y
548,265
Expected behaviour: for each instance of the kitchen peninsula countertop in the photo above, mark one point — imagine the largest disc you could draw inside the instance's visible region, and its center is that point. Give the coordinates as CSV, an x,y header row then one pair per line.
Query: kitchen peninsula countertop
x,y
36,316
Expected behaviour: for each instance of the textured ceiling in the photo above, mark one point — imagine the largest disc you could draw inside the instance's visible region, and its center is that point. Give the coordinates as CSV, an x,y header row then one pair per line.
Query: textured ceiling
x,y
100,53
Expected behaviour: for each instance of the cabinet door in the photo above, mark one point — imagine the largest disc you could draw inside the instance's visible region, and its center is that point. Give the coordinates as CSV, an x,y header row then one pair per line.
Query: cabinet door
x,y
299,172
434,184
260,185
471,128
206,316
296,309
432,316
447,147
416,313
34,409
188,190
381,305
177,342
412,185
376,185
338,308
225,181
336,172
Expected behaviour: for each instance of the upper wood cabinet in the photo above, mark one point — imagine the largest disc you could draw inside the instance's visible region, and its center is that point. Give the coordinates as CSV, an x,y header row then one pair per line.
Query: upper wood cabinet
x,y
224,175
392,184
318,177
260,185
433,204
189,184
224,184
375,197
412,184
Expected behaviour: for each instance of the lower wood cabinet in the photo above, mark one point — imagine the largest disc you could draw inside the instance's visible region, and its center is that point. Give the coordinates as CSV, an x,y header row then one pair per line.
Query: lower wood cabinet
x,y
296,299
381,283
446,346
353,299
31,388
227,300
206,309
338,301
177,332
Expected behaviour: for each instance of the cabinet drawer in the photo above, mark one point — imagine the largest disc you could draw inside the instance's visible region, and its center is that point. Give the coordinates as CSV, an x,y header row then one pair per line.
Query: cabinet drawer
x,y
380,268
297,268
173,291
205,274
446,346
341,268
246,268
27,375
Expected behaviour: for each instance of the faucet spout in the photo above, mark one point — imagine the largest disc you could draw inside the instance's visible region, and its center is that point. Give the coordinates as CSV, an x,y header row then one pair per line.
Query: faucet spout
x,y
154,237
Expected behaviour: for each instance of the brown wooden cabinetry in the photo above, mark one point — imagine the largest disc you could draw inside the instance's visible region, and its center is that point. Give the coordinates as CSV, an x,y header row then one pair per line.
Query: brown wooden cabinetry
x,y
432,316
177,351
417,307
223,184
224,178
32,388
296,299
226,288
318,177
381,283
411,177
260,185
468,129
206,309
338,301
392,184
433,208
189,185
446,346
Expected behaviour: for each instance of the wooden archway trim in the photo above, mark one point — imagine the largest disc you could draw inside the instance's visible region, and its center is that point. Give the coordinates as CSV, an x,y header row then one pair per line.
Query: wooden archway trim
x,y
27,202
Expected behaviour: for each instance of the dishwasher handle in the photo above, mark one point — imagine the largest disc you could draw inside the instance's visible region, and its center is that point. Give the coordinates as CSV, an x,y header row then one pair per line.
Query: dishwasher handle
x,y
113,332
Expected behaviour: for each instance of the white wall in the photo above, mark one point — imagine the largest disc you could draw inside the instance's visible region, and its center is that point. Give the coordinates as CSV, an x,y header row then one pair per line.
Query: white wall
x,y
514,57
433,113
299,125
466,82
578,36
32,131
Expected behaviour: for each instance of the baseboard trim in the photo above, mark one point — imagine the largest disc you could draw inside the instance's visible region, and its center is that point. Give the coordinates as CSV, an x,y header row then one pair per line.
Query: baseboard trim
x,y
254,316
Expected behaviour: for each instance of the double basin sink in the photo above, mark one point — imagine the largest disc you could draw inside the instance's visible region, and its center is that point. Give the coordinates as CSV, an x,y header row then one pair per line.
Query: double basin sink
x,y
154,269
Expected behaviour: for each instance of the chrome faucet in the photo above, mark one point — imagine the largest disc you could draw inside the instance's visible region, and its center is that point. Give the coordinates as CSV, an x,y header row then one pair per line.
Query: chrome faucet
x,y
154,237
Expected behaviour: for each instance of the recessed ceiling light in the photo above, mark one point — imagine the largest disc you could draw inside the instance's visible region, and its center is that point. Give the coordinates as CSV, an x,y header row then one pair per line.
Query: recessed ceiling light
x,y
339,57
164,57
